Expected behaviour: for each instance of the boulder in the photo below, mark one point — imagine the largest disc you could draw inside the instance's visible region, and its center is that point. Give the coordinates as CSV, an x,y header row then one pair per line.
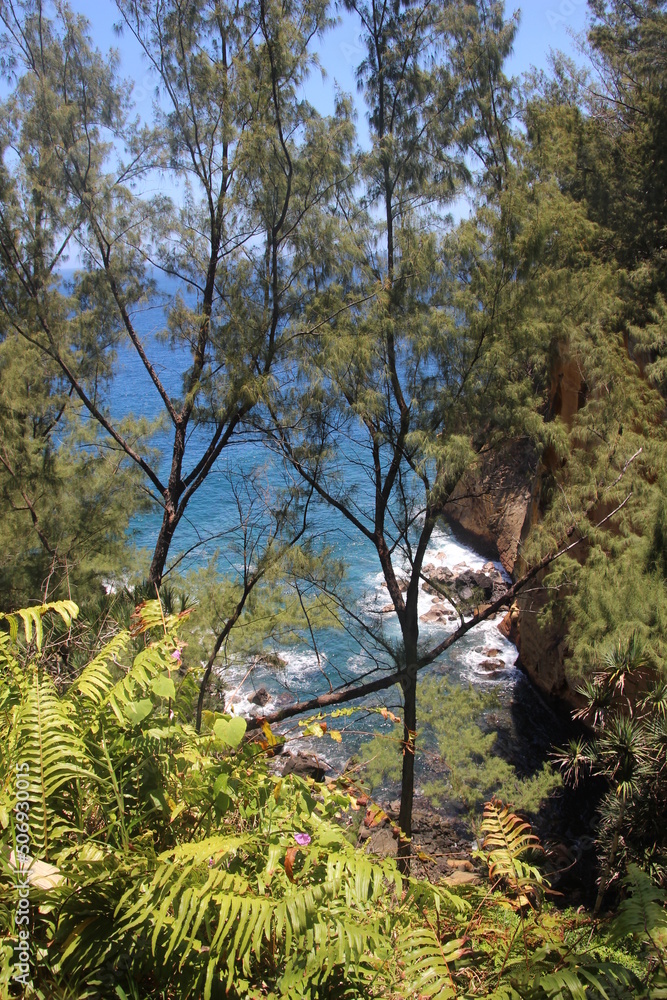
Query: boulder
x,y
305,765
261,697
492,665
434,615
284,698
509,626
461,878
440,575
460,864
382,842
271,659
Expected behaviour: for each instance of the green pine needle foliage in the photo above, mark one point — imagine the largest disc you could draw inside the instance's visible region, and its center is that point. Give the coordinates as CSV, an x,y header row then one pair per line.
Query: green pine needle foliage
x,y
457,757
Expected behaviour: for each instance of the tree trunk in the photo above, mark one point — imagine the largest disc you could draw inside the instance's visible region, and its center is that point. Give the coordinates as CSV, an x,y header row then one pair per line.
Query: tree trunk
x,y
409,685
408,772
161,551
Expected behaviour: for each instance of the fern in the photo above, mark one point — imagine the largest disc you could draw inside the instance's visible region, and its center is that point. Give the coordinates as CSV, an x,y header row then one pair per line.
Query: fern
x,y
49,744
642,914
507,840
96,681
584,980
151,615
319,928
182,878
32,618
429,963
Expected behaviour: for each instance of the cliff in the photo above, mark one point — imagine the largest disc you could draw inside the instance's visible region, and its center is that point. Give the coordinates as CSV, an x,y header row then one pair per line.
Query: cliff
x,y
494,508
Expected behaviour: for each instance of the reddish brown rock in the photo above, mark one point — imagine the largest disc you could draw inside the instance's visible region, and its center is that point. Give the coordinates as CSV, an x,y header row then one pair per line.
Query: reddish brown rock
x,y
492,665
509,626
490,507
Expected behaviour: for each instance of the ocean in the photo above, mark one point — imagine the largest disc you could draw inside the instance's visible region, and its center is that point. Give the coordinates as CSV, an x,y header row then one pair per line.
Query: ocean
x,y
298,671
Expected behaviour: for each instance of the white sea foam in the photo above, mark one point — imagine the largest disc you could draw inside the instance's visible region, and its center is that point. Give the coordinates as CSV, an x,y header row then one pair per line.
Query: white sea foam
x,y
302,672
303,675
445,551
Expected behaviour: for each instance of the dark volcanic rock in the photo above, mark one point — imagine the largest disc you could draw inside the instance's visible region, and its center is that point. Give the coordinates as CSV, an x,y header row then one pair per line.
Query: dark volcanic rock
x,y
490,506
492,665
466,583
261,697
305,766
285,698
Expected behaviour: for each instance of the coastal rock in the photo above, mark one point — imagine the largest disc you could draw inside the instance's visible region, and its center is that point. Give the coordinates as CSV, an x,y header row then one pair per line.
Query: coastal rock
x,y
543,650
434,615
271,659
285,698
492,665
509,626
261,697
464,583
490,507
461,878
305,766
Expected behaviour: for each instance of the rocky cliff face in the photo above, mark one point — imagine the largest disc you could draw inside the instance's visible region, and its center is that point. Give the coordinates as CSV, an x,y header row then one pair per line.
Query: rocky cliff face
x,y
491,508
495,508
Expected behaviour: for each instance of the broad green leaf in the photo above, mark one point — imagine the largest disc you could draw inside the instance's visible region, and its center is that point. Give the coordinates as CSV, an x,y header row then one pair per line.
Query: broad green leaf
x,y
230,731
137,711
163,686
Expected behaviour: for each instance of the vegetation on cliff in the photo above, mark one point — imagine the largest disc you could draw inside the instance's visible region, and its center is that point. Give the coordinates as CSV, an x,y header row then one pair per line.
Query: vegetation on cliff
x,y
324,311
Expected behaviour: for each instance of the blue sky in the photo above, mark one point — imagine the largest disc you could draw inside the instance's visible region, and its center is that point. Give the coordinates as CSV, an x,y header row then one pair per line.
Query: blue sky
x,y
544,25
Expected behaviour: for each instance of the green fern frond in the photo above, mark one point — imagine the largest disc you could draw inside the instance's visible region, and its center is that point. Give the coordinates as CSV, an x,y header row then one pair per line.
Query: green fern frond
x,y
507,839
578,980
147,665
581,981
151,615
32,618
96,681
427,962
642,913
55,757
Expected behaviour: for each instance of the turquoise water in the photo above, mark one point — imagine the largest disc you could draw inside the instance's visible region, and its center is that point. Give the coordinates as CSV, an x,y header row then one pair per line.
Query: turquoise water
x,y
213,514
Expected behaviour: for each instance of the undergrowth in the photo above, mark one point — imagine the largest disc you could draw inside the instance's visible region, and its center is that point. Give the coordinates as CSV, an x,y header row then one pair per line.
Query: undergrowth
x,y
169,864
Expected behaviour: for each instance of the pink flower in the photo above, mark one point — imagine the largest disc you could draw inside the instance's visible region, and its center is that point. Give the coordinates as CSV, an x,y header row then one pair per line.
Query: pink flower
x,y
176,655
302,839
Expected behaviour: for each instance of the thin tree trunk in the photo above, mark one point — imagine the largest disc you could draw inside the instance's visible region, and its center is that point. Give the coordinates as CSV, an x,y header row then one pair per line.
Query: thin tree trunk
x,y
162,546
408,771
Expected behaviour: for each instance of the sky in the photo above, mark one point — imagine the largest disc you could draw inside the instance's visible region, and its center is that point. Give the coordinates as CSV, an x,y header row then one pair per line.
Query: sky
x,y
544,25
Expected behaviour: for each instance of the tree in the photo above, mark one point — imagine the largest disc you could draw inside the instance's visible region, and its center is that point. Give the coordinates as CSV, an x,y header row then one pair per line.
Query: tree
x,y
67,500
449,356
257,165
601,137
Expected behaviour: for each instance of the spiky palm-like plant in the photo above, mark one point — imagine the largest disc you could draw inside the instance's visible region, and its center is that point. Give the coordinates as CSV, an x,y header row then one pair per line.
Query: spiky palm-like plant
x,y
626,706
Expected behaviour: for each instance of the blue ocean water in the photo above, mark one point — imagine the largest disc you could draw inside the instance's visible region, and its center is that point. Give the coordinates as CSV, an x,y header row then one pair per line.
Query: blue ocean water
x,y
212,515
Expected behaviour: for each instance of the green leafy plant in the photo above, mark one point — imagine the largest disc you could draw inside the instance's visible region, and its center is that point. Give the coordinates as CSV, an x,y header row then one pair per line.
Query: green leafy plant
x,y
181,867
507,841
